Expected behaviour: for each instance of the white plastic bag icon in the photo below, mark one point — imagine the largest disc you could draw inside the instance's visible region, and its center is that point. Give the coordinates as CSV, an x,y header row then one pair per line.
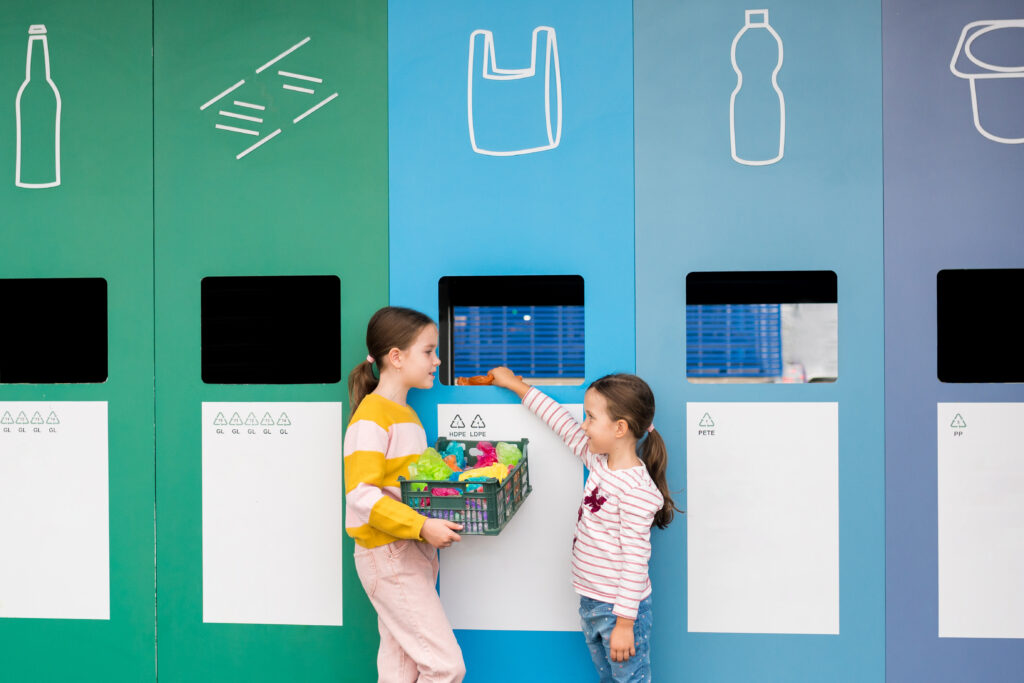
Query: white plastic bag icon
x,y
510,110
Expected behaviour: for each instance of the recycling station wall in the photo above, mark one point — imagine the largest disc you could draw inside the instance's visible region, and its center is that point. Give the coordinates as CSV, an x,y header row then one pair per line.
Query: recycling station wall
x,y
453,208
953,603
76,445
204,203
777,565
255,577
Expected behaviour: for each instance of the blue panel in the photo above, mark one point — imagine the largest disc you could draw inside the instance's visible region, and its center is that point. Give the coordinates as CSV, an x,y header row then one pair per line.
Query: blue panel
x,y
952,201
817,208
567,210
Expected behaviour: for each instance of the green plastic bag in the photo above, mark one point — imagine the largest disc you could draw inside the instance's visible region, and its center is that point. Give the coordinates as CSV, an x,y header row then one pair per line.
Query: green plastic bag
x,y
508,454
431,466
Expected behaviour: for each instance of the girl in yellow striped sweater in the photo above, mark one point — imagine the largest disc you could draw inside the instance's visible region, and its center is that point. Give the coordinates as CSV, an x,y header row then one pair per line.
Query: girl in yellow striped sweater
x,y
396,547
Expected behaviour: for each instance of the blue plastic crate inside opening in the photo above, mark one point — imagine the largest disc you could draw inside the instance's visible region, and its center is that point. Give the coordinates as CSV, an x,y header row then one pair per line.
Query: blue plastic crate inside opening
x,y
534,341
734,340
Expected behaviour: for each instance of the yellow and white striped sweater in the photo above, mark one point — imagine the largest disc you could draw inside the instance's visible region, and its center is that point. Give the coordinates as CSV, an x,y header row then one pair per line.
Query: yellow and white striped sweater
x,y
383,438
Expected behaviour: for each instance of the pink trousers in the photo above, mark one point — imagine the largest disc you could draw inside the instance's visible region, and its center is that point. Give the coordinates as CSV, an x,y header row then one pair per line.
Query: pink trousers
x,y
416,639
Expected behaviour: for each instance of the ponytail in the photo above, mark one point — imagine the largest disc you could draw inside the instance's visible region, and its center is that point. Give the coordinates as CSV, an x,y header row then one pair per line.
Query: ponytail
x,y
655,457
391,327
361,381
630,399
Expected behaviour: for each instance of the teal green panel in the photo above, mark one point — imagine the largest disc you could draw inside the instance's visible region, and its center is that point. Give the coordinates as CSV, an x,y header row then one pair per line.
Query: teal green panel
x,y
311,200
98,222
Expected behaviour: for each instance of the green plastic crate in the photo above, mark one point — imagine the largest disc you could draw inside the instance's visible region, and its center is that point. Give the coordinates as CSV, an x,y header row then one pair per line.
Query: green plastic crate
x,y
484,511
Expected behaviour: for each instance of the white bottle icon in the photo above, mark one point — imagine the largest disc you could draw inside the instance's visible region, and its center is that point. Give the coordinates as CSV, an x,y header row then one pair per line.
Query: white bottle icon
x,y
757,109
37,112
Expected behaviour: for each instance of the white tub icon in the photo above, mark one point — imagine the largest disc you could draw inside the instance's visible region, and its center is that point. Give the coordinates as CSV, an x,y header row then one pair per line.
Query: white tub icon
x,y
965,64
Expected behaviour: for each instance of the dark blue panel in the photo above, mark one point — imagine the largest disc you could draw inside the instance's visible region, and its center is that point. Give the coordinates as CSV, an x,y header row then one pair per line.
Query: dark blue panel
x,y
952,200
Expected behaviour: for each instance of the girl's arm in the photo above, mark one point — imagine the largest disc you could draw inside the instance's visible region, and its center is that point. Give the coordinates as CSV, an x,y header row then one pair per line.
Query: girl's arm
x,y
364,452
547,409
636,515
365,503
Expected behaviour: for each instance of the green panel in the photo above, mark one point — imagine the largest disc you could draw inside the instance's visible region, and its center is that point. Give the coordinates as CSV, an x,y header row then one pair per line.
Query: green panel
x,y
97,223
311,201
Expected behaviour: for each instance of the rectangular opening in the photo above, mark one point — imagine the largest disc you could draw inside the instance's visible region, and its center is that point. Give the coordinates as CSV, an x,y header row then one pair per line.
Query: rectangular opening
x,y
762,326
978,313
54,331
534,324
282,329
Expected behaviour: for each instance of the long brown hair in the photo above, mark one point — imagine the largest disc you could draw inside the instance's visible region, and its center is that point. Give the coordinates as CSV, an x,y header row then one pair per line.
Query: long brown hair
x,y
630,399
391,327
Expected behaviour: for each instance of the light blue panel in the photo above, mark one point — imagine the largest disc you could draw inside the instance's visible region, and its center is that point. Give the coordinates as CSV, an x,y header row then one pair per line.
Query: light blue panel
x,y
952,201
566,210
818,208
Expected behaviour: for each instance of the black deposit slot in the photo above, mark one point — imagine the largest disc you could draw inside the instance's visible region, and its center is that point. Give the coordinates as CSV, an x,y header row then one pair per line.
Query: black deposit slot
x,y
271,330
531,323
54,331
978,316
762,287
778,327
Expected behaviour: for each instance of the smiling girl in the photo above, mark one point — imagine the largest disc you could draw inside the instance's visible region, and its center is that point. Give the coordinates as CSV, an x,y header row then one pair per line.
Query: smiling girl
x,y
626,493
396,547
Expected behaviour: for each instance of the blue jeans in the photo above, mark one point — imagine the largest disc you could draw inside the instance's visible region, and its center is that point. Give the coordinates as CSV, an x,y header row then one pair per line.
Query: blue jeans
x,y
598,622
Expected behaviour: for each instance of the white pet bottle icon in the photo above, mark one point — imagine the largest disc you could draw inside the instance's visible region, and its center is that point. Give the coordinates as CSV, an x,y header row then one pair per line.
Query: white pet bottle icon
x,y
757,109
37,112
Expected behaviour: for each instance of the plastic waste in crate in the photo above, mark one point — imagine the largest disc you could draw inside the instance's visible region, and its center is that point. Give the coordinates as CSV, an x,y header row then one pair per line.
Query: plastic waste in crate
x,y
474,483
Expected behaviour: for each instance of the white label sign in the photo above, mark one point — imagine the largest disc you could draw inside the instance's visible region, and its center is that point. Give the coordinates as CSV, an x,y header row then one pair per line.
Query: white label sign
x,y
54,519
763,517
272,513
981,508
527,565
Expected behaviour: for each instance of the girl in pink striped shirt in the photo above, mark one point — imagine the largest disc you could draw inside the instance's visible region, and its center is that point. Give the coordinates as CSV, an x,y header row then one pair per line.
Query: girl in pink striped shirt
x,y
626,493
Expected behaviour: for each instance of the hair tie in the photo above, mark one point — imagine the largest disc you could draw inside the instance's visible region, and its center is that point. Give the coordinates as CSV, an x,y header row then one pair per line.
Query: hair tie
x,y
369,359
651,428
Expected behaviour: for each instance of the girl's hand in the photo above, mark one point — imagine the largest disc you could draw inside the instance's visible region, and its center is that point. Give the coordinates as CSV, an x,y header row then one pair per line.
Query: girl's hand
x,y
506,379
440,533
501,376
621,641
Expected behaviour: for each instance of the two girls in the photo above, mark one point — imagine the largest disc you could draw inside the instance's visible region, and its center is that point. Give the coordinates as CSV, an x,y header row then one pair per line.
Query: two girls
x,y
396,556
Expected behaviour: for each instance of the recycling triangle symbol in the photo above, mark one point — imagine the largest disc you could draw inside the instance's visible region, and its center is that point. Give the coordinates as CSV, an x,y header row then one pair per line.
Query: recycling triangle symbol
x,y
457,423
52,419
235,420
7,419
37,419
706,421
267,419
22,420
477,423
283,420
251,420
958,422
219,420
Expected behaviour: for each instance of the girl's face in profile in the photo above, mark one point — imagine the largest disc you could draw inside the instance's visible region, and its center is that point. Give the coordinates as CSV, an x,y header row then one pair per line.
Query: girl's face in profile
x,y
420,361
598,424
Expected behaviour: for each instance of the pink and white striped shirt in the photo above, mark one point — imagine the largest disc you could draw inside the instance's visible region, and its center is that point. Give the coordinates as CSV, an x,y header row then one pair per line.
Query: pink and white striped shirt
x,y
612,544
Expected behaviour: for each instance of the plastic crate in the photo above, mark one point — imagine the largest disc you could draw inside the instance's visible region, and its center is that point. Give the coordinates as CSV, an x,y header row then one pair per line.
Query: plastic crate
x,y
484,511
